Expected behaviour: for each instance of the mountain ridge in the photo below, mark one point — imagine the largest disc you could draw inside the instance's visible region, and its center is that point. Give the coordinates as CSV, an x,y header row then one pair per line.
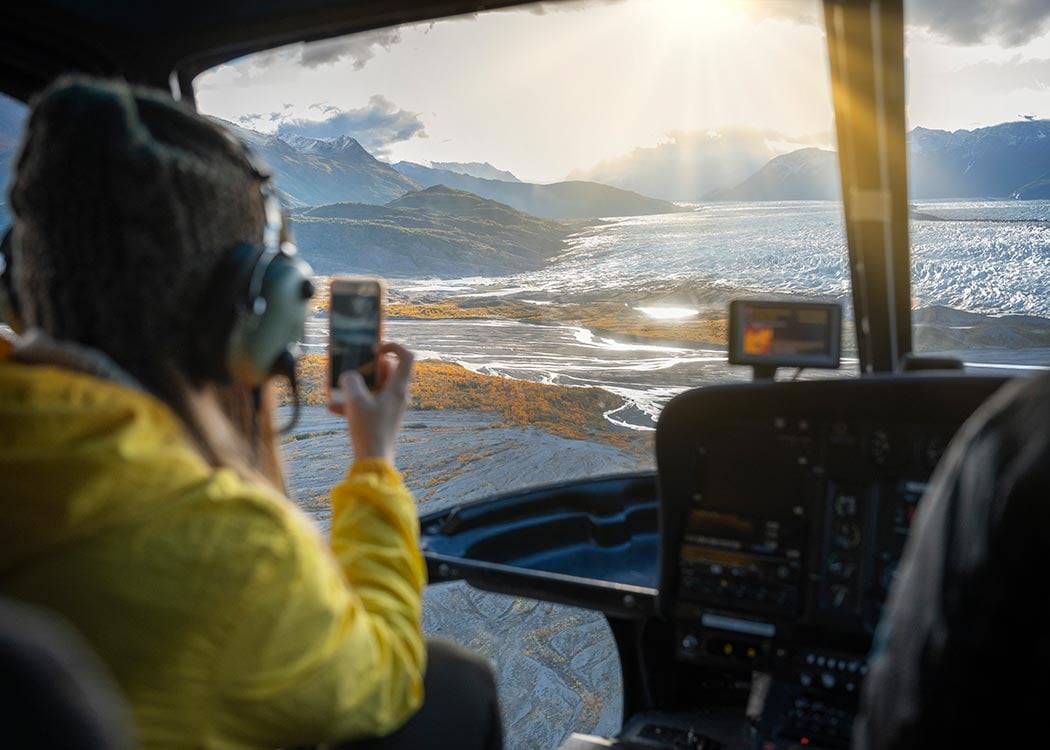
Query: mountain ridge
x,y
805,174
483,170
436,231
1008,160
317,171
571,199
687,167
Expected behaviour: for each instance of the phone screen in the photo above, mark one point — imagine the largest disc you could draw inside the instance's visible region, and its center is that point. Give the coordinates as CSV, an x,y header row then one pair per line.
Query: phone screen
x,y
355,319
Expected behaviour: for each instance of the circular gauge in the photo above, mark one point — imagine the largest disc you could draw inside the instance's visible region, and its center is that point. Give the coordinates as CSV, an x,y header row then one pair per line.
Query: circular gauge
x,y
847,535
841,566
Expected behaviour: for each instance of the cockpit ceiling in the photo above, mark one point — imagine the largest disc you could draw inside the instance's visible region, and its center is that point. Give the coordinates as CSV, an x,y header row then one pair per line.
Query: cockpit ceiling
x,y
147,41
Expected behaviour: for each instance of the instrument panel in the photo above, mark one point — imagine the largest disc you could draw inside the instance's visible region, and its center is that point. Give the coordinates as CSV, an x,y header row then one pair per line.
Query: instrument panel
x,y
785,510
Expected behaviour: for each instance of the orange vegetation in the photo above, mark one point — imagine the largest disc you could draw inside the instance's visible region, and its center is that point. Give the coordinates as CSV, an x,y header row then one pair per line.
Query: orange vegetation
x,y
570,412
608,318
603,318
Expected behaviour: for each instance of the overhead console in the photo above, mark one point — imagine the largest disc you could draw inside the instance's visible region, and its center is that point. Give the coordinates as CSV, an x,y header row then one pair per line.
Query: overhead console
x,y
784,511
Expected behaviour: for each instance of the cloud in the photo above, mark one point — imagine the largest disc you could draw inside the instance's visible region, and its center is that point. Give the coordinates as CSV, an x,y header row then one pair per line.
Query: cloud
x,y
254,118
542,9
535,9
358,48
1011,23
376,126
1008,23
324,108
1011,75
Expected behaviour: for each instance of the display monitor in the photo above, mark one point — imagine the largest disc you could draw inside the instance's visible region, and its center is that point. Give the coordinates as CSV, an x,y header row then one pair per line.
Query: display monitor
x,y
785,334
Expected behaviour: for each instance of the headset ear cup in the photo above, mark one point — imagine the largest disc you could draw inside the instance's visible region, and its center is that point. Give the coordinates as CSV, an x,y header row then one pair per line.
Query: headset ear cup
x,y
272,323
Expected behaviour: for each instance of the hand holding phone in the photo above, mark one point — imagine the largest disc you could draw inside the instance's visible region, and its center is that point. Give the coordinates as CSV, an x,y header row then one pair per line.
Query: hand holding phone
x,y
355,327
374,418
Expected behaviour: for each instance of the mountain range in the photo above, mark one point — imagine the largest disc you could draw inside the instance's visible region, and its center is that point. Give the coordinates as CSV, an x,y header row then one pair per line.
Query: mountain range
x,y
312,171
1010,160
1001,161
574,199
689,166
483,170
437,231
802,175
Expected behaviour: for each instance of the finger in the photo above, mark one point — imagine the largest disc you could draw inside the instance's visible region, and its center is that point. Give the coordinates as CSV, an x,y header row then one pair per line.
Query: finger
x,y
405,359
385,367
353,385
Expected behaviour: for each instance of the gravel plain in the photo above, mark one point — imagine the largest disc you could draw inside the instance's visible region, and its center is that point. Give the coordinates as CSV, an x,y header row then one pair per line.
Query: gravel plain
x,y
556,666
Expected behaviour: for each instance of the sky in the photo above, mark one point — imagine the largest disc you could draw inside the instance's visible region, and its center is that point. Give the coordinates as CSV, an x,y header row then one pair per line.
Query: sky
x,y
552,88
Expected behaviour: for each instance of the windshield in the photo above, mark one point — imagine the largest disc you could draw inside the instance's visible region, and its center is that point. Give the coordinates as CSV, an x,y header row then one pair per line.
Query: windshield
x,y
13,115
12,121
979,182
563,200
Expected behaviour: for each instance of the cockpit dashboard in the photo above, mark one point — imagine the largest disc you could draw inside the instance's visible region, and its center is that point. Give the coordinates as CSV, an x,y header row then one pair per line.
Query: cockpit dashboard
x,y
745,580
785,511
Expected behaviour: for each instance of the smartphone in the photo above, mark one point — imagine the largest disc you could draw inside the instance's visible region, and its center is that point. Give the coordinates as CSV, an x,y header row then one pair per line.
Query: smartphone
x,y
355,328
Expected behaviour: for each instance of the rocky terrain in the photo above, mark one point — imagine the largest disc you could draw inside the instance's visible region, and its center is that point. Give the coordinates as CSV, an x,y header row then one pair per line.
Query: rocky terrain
x,y
556,666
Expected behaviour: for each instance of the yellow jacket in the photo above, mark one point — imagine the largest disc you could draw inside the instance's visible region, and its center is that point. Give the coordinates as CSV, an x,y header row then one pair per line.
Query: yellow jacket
x,y
219,609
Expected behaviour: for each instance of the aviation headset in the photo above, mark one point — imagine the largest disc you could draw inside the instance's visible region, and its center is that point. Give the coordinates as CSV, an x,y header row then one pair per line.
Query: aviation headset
x,y
255,304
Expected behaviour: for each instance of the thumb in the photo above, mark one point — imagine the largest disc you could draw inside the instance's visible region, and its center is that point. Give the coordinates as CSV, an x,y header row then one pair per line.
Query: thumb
x,y
354,388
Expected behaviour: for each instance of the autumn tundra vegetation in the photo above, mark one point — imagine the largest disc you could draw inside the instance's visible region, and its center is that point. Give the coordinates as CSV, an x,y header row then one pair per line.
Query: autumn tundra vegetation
x,y
603,318
570,412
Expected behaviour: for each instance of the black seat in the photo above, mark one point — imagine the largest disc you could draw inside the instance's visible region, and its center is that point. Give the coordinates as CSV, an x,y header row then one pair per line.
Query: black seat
x,y
54,693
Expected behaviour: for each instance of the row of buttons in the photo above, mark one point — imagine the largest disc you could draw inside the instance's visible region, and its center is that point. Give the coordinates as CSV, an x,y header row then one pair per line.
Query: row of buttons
x,y
828,681
832,672
852,665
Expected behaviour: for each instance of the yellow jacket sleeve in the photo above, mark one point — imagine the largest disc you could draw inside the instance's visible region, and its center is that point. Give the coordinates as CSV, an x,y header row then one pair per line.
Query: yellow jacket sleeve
x,y
327,644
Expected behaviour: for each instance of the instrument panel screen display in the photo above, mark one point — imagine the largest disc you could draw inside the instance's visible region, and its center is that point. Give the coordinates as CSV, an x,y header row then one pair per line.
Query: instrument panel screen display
x,y
785,334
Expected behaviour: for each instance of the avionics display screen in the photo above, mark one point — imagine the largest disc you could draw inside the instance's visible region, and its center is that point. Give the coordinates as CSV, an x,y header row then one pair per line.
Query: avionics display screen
x,y
785,334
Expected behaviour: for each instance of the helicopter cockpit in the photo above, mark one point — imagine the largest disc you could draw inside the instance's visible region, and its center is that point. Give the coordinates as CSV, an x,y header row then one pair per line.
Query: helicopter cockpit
x,y
716,544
